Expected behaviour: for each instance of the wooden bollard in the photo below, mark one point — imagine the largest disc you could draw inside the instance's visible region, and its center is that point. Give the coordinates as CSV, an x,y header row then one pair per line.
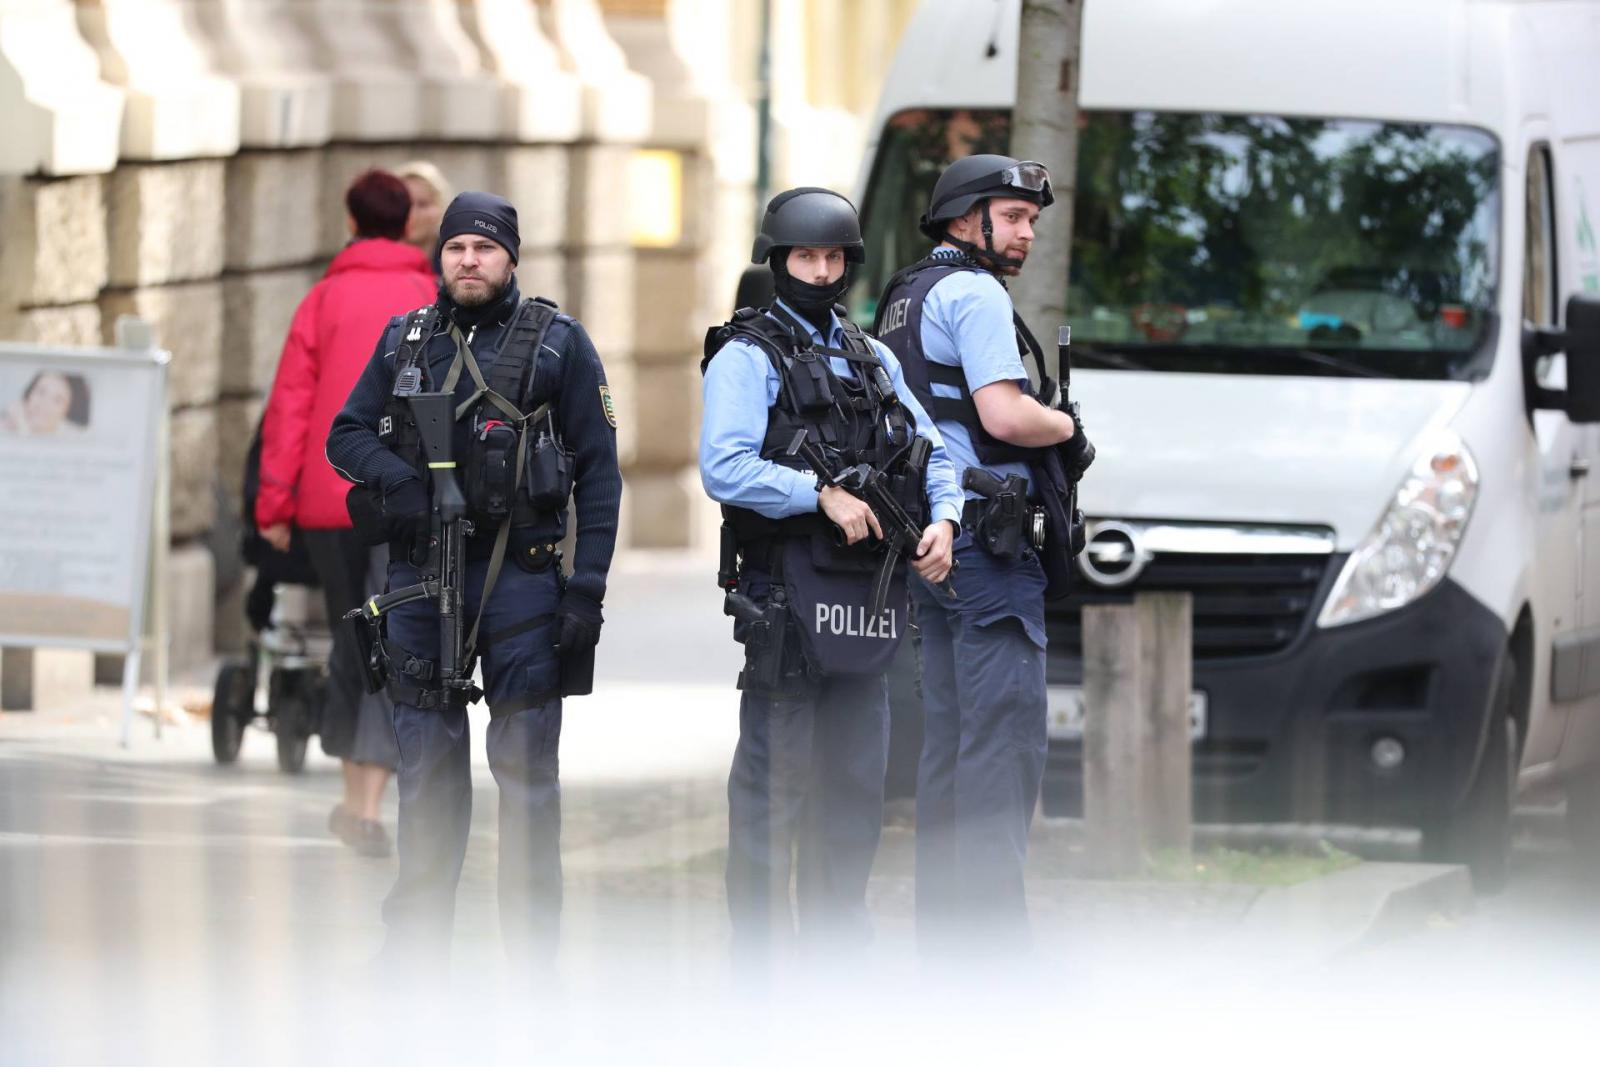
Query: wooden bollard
x,y
1137,674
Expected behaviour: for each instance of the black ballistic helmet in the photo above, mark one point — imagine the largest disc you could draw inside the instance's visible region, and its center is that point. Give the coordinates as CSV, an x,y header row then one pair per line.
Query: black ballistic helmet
x,y
809,217
975,178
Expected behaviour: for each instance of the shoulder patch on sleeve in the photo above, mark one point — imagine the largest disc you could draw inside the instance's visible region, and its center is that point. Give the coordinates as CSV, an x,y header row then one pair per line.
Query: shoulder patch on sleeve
x,y
607,406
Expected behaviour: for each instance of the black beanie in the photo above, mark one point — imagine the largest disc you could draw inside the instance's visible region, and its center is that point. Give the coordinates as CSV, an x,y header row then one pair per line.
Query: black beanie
x,y
483,214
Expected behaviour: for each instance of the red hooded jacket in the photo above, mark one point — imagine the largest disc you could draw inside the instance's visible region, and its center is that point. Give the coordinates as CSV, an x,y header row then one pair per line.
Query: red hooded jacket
x,y
330,342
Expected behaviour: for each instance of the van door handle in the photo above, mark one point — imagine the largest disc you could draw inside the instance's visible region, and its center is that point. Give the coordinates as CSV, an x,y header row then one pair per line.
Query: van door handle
x,y
1578,469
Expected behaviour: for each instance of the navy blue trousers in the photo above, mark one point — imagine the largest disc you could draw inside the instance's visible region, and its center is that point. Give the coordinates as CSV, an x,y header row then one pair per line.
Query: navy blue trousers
x,y
436,779
808,777
984,743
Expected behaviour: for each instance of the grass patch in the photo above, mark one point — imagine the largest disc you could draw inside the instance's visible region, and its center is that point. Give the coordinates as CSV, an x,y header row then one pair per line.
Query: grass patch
x,y
1262,867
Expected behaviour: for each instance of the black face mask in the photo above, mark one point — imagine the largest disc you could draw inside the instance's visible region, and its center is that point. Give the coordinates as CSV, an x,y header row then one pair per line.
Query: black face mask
x,y
812,301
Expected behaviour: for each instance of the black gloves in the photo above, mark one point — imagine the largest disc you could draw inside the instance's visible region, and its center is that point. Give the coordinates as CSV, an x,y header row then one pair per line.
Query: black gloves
x,y
580,623
1049,394
580,619
406,508
1077,451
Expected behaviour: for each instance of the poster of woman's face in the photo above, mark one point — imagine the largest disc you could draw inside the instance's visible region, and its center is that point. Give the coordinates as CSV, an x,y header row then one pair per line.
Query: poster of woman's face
x,y
53,402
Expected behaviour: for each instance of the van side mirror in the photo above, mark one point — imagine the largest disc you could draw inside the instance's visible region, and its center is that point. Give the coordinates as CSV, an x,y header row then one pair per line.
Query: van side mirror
x,y
1580,340
1582,345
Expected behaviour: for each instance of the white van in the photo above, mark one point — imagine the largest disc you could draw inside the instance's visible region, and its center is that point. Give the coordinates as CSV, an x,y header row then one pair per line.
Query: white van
x,y
1323,255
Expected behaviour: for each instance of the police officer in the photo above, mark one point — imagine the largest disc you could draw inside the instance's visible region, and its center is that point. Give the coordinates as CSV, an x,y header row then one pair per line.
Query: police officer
x,y
820,602
529,385
950,321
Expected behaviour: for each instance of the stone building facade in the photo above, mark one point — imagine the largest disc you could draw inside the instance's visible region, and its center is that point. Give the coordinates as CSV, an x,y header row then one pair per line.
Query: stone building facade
x,y
185,160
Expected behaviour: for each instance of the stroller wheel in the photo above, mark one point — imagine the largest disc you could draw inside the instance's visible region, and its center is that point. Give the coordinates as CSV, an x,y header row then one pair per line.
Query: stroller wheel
x,y
232,707
291,719
291,738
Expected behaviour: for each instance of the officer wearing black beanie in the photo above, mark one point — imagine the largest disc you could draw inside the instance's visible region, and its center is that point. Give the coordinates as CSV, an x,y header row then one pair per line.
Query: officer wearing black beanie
x,y
482,215
537,627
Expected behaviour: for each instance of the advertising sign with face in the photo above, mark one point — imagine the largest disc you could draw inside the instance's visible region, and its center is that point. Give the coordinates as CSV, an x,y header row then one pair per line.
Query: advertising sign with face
x,y
78,475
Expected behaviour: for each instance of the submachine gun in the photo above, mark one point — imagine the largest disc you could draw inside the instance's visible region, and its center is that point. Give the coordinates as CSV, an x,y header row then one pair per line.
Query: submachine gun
x,y
442,570
1075,460
901,534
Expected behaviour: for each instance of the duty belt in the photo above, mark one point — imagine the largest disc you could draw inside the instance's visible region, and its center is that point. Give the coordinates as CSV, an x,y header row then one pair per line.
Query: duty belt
x,y
1029,521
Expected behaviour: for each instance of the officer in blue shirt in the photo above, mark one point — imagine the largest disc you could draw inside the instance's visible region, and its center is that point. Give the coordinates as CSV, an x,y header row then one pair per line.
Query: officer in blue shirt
x,y
950,321
819,599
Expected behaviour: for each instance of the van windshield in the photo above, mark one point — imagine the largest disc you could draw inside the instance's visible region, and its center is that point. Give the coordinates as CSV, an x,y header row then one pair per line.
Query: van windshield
x,y
1241,243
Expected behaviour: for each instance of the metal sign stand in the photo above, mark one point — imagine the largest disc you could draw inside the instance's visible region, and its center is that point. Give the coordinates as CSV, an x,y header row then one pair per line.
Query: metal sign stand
x,y
135,334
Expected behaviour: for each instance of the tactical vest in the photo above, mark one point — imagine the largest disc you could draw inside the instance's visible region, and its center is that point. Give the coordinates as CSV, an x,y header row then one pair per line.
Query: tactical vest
x,y
516,465
854,420
858,420
899,325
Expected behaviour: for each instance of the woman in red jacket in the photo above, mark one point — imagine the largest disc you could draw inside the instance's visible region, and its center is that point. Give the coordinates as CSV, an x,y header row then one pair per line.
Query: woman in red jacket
x,y
375,277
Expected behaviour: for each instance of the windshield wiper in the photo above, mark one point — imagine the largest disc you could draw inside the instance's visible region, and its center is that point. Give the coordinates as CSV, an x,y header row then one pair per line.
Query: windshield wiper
x,y
1333,362
1090,355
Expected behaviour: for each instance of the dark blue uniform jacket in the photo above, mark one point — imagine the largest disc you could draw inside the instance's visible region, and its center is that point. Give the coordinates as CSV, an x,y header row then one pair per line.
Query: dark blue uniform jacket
x,y
584,416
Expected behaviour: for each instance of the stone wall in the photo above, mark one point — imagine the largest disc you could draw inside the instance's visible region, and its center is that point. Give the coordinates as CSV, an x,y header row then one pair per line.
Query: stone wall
x,y
185,161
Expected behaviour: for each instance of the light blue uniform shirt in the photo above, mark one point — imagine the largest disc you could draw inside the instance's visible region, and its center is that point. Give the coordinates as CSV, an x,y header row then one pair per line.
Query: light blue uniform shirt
x,y
741,385
966,323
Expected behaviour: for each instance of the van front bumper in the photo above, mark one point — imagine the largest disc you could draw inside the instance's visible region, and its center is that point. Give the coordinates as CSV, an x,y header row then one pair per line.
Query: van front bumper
x,y
1290,735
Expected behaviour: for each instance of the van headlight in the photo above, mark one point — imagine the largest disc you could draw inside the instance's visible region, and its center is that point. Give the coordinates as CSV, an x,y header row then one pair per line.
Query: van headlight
x,y
1413,544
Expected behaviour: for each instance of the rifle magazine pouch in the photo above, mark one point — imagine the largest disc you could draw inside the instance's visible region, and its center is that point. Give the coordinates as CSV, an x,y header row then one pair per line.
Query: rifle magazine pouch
x,y
549,473
830,593
491,476
365,506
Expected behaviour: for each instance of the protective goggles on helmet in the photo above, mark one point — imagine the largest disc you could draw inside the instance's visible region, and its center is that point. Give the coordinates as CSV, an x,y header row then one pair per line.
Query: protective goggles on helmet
x,y
1027,177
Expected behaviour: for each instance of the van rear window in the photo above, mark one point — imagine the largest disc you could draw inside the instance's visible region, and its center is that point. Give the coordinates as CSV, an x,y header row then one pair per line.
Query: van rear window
x,y
1241,243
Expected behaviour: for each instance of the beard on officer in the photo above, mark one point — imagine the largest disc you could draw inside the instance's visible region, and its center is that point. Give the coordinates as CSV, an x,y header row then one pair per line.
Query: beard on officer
x,y
534,428
950,320
818,597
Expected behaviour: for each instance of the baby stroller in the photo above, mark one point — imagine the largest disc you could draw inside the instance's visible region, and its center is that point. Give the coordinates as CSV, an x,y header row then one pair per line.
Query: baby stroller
x,y
288,650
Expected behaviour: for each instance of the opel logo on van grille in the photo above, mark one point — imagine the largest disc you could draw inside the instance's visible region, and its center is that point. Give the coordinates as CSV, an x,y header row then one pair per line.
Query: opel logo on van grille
x,y
1114,555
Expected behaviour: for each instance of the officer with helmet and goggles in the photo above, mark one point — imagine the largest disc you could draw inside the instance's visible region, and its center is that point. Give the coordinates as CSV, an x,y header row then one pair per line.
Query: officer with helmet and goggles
x,y
831,475
950,321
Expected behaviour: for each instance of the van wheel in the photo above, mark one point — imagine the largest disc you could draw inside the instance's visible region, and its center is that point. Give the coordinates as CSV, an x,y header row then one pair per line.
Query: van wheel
x,y
1478,833
1583,816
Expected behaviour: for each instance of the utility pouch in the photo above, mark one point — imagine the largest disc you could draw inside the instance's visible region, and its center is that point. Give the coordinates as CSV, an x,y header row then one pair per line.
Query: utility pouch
x,y
549,471
909,484
809,387
491,476
365,506
368,632
831,607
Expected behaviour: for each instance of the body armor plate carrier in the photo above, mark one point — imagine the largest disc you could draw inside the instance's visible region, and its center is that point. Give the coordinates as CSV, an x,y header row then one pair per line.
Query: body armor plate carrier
x,y
820,586
1054,528
516,466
